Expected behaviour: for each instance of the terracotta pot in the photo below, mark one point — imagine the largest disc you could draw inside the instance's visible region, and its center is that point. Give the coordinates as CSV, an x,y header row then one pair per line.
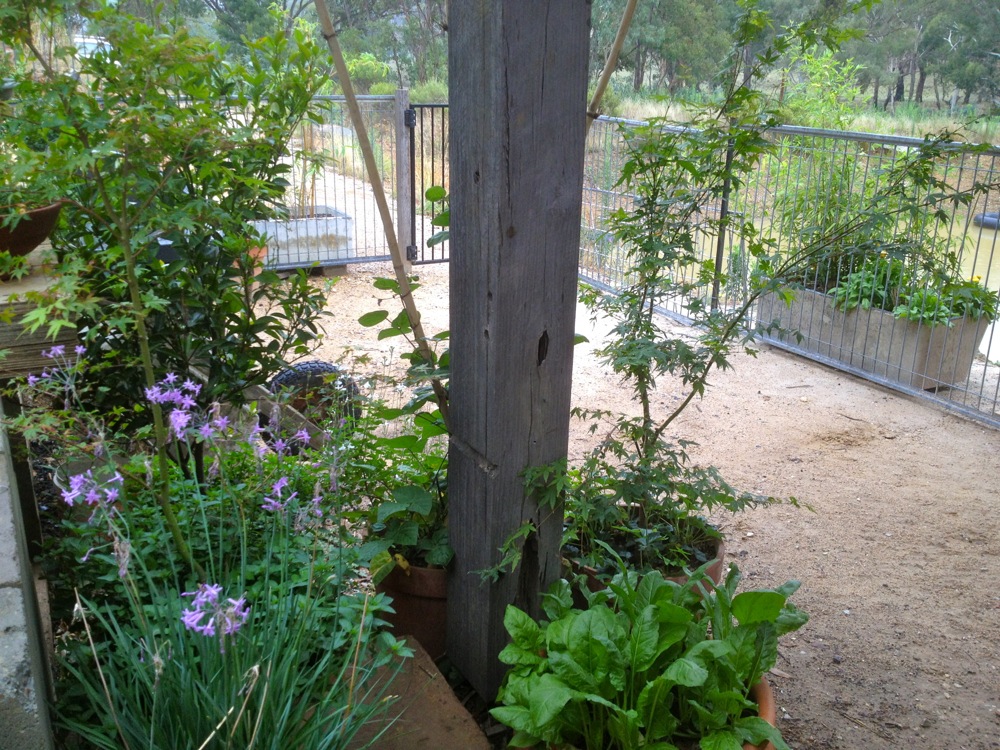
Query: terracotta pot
x,y
35,225
420,598
763,696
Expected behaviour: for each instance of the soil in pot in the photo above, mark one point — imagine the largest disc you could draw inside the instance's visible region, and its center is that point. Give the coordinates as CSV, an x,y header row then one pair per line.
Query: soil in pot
x,y
716,571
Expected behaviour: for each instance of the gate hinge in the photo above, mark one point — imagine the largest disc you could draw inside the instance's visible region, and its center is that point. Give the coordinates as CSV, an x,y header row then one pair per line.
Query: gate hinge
x,y
411,252
410,117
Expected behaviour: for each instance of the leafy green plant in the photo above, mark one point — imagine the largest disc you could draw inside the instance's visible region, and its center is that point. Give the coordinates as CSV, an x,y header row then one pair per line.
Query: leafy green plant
x,y
401,482
166,152
637,490
931,298
13,266
256,622
647,663
877,284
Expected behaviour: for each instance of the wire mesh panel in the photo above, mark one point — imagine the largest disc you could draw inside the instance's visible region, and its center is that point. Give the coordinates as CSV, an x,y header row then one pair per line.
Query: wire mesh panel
x,y
813,196
334,217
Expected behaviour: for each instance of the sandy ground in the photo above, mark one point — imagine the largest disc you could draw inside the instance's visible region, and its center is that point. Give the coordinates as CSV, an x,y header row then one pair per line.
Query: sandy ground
x,y
899,558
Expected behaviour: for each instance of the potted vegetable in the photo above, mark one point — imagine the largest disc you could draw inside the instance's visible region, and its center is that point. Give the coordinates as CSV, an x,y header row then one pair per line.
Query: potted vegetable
x,y
917,324
30,192
648,662
403,514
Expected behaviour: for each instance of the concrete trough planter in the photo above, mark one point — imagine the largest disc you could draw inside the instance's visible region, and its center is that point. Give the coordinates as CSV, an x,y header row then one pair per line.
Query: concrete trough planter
x,y
874,341
324,239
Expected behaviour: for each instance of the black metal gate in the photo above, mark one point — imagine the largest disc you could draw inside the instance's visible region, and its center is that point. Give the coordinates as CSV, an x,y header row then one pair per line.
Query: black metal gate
x,y
428,126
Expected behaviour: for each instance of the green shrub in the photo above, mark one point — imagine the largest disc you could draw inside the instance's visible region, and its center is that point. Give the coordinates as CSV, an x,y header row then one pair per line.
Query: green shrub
x,y
434,91
383,88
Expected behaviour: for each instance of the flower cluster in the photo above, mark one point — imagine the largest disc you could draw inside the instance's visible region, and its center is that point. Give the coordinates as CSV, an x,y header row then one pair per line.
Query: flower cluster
x,y
63,363
275,503
86,488
179,400
210,615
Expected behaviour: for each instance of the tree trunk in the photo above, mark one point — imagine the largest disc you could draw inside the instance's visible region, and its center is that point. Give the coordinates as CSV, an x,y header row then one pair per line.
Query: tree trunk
x,y
921,80
875,86
518,75
639,72
748,58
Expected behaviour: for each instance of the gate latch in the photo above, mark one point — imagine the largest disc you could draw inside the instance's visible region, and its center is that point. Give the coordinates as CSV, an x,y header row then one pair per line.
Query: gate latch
x,y
410,117
411,252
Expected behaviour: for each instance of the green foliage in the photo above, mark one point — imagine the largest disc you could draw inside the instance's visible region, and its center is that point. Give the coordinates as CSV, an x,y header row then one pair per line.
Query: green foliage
x,y
931,297
877,284
646,663
611,101
13,266
433,91
823,92
166,153
637,490
365,71
400,480
294,635
383,88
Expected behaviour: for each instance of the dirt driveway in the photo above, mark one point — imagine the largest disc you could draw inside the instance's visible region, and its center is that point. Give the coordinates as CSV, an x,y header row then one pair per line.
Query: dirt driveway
x,y
899,560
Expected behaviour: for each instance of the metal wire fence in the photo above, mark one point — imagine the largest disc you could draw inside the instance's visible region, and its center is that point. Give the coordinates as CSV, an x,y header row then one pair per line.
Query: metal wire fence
x,y
813,179
956,365
336,219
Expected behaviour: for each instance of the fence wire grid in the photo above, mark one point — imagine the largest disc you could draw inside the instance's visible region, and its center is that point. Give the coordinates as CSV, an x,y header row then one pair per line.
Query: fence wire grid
x,y
925,361
956,366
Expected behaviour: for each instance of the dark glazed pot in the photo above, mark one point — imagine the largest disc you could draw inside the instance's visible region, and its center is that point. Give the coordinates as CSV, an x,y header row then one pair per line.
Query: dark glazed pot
x,y
32,229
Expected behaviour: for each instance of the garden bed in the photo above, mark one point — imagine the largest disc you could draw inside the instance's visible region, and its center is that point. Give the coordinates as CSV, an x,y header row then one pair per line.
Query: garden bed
x,y
895,562
901,351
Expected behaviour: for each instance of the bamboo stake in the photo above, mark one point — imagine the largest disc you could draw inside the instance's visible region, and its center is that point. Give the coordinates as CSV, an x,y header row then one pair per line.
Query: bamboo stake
x,y
611,64
405,291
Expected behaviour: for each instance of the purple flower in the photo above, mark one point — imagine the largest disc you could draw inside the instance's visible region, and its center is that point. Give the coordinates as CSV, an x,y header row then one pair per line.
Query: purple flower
x,y
192,621
278,486
77,484
221,423
272,505
56,351
80,350
234,615
302,436
207,594
191,387
170,378
206,431
179,420
207,614
172,396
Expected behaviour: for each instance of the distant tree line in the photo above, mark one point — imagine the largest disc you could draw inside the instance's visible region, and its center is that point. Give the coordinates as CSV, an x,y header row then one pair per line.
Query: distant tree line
x,y
902,46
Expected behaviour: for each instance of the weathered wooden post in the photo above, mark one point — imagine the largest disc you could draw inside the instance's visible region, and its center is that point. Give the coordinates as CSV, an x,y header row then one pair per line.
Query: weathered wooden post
x,y
517,76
